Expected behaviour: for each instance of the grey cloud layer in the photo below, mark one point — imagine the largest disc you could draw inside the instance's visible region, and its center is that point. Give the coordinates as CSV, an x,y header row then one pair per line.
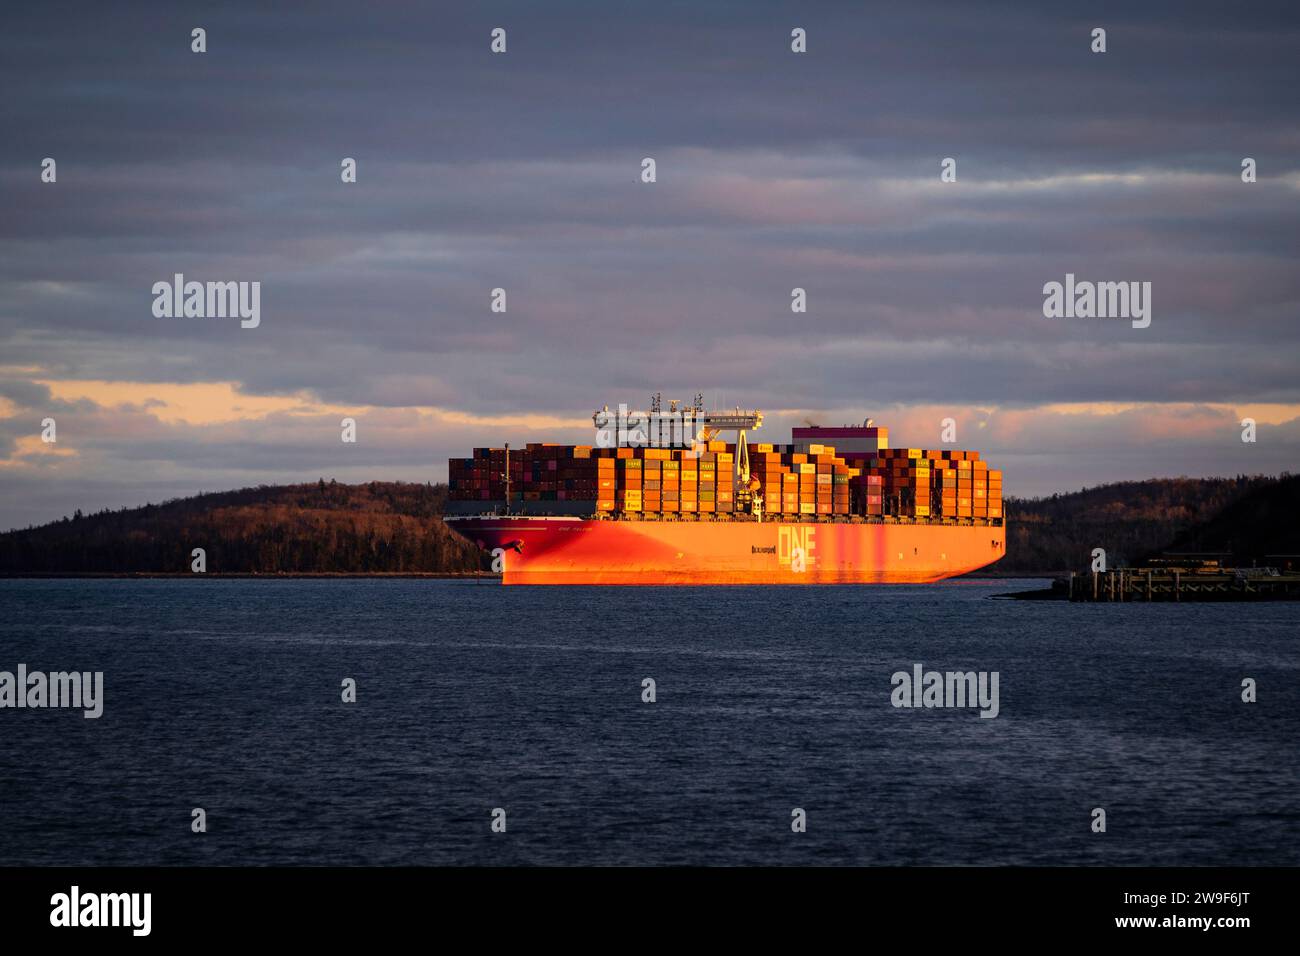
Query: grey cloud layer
x,y
775,171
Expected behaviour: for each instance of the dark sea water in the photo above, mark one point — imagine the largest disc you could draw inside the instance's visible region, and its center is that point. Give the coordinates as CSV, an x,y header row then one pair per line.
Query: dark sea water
x,y
225,694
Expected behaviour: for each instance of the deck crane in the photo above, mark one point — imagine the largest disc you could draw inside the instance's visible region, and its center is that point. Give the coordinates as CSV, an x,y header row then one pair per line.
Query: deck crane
x,y
741,422
706,425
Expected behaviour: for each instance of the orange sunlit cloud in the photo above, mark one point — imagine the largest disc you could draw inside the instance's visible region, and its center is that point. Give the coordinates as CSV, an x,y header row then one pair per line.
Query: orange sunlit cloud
x,y
214,403
30,449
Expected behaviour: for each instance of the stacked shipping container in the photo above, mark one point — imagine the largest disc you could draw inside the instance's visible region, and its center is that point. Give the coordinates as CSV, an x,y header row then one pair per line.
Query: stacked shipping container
x,y
928,483
804,479
623,480
538,472
813,481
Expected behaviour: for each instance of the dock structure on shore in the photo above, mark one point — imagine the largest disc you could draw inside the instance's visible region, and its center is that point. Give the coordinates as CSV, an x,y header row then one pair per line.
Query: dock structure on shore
x,y
1171,579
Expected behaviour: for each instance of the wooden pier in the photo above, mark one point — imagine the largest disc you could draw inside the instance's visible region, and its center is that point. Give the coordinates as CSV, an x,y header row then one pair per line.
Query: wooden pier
x,y
1194,582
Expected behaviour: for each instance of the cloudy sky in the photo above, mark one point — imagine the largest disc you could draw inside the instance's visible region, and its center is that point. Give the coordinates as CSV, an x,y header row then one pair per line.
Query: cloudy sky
x,y
522,171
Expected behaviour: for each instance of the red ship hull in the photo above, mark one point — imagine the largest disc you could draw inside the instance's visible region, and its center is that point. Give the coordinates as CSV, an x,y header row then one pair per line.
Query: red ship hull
x,y
559,550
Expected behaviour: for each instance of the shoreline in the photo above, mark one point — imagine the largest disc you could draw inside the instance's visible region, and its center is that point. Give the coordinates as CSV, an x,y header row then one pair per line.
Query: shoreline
x,y
279,575
468,575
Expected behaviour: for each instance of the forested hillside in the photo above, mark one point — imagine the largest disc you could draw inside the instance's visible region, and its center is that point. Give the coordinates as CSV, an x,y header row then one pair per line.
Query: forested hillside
x,y
1132,520
392,527
318,528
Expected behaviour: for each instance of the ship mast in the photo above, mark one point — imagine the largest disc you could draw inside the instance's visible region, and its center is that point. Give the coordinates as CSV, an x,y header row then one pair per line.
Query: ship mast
x,y
507,477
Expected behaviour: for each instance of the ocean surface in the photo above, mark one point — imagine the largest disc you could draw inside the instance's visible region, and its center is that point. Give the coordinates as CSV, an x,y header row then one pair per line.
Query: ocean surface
x,y
226,695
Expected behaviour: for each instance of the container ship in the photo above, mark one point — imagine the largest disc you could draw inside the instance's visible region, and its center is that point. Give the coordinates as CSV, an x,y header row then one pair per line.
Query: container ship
x,y
660,499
